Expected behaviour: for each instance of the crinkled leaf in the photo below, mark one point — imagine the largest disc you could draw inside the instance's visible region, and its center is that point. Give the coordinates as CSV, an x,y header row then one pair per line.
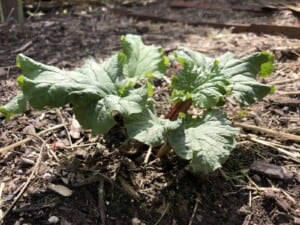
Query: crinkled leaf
x,y
242,74
16,105
141,61
207,142
135,102
149,129
202,61
92,90
54,87
199,80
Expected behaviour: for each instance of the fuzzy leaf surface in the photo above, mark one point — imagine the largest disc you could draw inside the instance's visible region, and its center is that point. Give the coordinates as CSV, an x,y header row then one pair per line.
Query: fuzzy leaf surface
x,y
242,74
206,80
16,105
141,61
199,80
92,89
149,129
206,141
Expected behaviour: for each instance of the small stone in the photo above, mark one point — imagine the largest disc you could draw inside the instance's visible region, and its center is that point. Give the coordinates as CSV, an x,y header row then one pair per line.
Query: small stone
x,y
60,189
135,221
47,176
285,109
53,219
296,220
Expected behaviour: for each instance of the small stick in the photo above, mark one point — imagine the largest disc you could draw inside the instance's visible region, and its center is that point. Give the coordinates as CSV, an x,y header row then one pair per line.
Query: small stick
x,y
194,212
7,148
163,214
276,134
1,191
128,188
80,146
293,156
26,185
247,219
65,126
288,92
285,81
148,155
286,147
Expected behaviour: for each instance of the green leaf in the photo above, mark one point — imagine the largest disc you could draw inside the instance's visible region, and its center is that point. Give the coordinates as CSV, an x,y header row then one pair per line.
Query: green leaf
x,y
149,129
135,102
206,80
206,141
17,105
92,114
54,87
93,91
141,61
200,80
242,74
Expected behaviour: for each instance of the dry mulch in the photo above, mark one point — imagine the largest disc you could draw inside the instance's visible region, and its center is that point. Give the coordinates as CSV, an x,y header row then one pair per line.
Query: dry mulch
x,y
105,180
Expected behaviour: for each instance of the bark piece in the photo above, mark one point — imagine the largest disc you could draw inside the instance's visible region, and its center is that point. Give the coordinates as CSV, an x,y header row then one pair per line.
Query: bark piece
x,y
271,170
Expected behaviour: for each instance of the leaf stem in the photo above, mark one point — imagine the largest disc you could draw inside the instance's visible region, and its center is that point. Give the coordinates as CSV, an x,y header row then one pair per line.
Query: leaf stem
x,y
173,115
178,108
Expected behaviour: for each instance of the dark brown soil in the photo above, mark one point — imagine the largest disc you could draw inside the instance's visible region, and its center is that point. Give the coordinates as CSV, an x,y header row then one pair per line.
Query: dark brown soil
x,y
105,180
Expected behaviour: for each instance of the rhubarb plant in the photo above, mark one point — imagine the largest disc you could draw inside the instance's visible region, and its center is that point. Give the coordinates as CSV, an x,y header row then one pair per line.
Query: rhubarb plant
x,y
123,85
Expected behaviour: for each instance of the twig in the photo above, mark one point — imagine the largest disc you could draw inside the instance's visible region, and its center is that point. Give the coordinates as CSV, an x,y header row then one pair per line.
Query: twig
x,y
34,171
286,147
291,155
148,155
260,189
276,134
53,154
194,212
285,81
80,146
65,126
101,205
247,219
7,148
288,92
128,188
1,191
250,199
163,214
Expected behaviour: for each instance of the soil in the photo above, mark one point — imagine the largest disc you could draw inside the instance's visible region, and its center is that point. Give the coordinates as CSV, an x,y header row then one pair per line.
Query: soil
x,y
111,187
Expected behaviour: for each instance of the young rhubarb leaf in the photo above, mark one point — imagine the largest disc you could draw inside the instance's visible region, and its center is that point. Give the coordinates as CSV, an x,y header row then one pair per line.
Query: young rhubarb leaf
x,y
141,61
237,76
200,80
92,89
242,74
148,128
17,105
206,141
134,102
